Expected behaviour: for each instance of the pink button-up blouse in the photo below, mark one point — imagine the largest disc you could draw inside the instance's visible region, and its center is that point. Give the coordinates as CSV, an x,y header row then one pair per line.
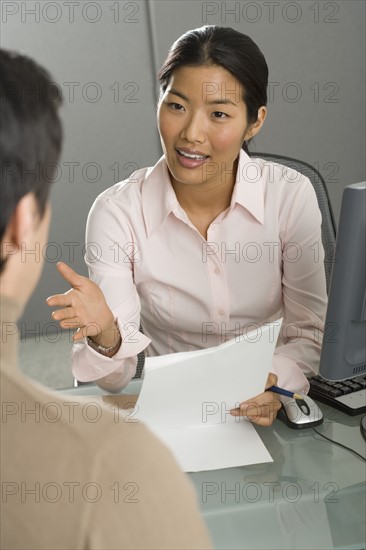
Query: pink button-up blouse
x,y
262,260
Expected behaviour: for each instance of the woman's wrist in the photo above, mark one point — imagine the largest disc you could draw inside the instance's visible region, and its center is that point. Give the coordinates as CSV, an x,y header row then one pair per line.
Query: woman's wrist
x,y
107,342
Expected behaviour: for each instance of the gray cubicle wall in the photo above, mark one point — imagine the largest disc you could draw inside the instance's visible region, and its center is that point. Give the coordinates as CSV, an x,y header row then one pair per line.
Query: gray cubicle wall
x,y
105,55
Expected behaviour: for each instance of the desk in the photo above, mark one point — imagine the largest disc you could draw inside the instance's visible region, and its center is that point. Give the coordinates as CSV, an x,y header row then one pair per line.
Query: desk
x,y
312,496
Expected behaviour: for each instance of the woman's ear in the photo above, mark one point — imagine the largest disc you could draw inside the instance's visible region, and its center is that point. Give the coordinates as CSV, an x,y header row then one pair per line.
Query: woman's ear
x,y
257,125
23,220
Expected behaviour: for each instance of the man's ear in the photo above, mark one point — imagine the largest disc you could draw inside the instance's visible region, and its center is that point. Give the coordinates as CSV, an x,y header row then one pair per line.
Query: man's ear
x,y
23,220
254,128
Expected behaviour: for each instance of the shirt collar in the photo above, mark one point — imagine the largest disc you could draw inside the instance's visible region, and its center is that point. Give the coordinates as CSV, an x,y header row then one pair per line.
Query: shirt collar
x,y
159,199
248,190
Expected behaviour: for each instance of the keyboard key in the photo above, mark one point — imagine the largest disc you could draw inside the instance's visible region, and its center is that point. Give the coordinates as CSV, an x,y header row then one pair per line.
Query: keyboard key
x,y
335,393
355,387
346,389
323,388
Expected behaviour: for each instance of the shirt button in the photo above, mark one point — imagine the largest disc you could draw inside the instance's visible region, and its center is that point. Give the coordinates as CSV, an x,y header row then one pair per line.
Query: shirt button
x,y
221,312
216,270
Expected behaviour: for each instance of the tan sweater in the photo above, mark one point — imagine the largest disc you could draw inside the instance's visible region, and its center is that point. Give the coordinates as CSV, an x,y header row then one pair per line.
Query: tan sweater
x,y
75,475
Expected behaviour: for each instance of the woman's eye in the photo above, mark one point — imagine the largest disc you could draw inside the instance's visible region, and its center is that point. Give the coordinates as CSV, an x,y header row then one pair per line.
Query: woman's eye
x,y
219,114
176,106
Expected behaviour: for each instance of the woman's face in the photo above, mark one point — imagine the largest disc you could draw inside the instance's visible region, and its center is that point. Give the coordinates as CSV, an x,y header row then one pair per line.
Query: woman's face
x,y
202,121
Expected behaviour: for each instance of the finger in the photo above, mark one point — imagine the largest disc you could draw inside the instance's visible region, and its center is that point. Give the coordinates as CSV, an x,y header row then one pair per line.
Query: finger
x,y
265,407
271,380
268,419
84,331
249,410
73,278
62,314
77,336
253,411
241,410
259,419
264,420
70,323
60,300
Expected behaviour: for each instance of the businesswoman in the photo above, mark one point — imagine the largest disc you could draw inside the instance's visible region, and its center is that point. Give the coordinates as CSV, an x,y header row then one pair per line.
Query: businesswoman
x,y
208,243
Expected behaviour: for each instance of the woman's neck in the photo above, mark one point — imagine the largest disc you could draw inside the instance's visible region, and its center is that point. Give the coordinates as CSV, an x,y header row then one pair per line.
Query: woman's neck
x,y
203,204
203,200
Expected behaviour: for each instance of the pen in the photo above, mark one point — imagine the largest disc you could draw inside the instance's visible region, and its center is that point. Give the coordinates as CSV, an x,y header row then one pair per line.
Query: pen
x,y
281,391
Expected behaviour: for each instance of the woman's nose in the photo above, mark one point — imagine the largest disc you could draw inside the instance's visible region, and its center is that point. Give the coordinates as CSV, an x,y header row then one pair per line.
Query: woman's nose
x,y
193,130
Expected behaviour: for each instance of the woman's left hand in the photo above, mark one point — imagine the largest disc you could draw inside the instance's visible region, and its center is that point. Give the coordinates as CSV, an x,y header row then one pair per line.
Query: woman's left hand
x,y
263,408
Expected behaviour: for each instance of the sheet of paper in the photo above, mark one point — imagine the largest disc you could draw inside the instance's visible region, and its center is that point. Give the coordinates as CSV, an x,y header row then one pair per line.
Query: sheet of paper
x,y
213,447
186,398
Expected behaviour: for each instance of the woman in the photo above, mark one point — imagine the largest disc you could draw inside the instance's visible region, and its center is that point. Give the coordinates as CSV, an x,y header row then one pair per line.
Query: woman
x,y
209,242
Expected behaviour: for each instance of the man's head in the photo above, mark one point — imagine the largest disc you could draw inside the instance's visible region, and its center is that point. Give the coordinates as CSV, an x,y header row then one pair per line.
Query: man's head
x,y
30,144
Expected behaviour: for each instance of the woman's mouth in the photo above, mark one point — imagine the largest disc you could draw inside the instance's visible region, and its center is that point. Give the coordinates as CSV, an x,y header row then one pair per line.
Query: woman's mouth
x,y
190,159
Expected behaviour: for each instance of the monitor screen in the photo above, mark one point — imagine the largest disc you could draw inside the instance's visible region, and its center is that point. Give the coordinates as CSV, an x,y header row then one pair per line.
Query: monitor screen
x,y
344,344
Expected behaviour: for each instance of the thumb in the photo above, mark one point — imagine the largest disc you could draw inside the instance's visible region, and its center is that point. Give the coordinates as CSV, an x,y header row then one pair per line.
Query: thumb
x,y
271,380
73,278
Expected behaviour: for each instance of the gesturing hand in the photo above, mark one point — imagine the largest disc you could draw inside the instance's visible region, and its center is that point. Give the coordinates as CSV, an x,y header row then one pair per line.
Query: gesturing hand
x,y
263,408
83,306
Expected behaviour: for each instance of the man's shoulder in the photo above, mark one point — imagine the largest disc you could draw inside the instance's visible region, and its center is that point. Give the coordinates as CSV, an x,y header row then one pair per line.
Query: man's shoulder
x,y
96,456
60,417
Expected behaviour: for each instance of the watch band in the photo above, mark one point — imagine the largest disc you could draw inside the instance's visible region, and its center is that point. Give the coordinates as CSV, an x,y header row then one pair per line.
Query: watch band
x,y
101,349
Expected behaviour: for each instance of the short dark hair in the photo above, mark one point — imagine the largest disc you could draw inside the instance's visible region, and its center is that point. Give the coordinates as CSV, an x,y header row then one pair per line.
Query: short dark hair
x,y
30,133
230,49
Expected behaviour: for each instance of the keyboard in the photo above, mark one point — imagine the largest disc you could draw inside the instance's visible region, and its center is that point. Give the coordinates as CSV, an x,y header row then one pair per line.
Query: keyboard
x,y
348,396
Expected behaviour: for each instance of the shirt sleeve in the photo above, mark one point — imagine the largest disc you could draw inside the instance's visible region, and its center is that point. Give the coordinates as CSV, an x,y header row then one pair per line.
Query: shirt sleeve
x,y
111,251
304,292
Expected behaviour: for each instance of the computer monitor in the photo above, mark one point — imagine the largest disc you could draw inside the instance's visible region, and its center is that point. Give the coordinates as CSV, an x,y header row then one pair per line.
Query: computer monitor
x,y
344,344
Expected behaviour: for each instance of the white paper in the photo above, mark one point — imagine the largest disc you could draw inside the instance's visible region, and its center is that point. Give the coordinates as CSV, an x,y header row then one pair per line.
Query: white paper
x,y
186,397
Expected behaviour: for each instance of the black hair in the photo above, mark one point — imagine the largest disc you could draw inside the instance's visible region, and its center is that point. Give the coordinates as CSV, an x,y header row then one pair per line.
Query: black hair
x,y
30,133
230,49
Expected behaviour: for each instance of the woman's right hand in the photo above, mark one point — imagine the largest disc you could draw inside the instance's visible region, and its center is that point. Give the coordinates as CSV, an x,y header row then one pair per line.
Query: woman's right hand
x,y
84,308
